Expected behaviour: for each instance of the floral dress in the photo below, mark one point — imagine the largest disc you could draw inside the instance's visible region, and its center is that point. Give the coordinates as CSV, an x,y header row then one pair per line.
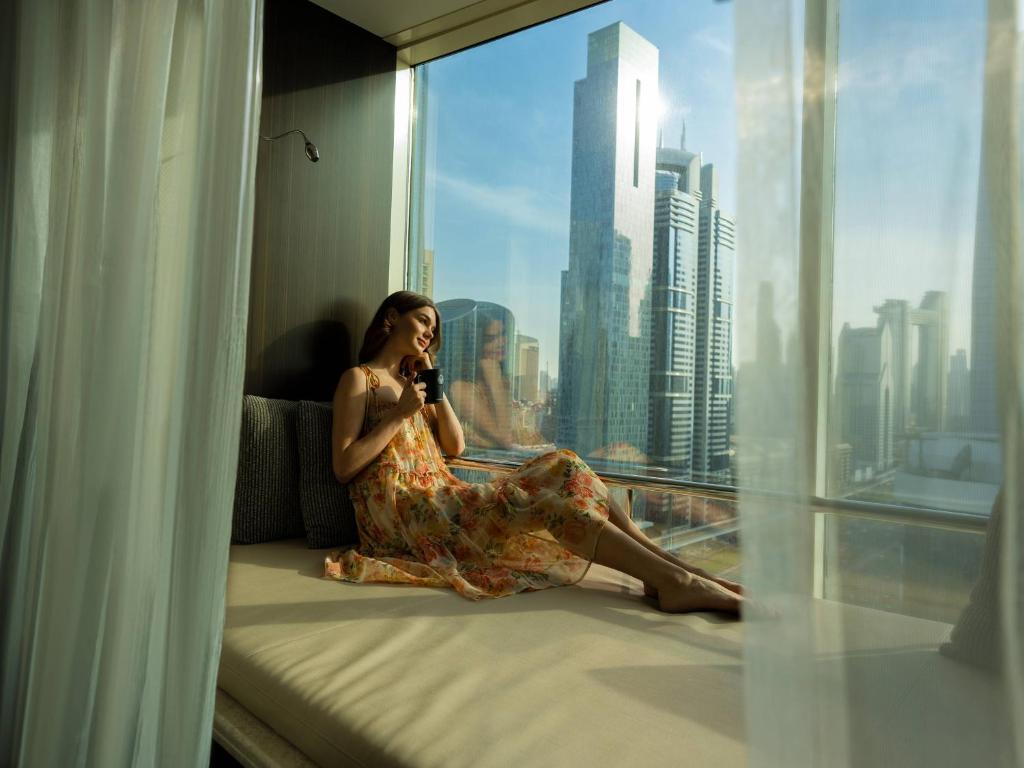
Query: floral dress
x,y
419,524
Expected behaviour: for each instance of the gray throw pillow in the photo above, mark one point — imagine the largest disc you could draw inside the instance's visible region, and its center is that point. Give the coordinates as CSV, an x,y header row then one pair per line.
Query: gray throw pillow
x,y
267,485
326,508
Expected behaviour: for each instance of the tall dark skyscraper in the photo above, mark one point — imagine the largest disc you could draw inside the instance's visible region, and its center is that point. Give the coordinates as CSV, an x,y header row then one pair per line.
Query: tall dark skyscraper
x,y
604,355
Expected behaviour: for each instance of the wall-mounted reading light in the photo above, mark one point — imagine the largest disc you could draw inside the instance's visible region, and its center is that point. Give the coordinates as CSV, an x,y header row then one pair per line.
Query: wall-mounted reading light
x,y
311,151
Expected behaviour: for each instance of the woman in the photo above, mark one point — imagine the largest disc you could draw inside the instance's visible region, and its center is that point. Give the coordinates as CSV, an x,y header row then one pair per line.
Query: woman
x,y
539,527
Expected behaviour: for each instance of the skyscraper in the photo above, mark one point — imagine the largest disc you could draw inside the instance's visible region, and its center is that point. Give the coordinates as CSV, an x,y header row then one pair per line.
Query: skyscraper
x,y
604,357
895,313
864,394
919,387
426,283
930,383
713,389
959,398
527,369
677,200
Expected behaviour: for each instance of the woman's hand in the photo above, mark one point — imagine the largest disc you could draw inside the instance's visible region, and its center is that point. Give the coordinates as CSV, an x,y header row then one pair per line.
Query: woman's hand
x,y
413,397
416,363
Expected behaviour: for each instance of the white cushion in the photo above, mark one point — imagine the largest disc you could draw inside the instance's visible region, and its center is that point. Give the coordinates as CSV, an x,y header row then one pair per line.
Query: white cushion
x,y
386,675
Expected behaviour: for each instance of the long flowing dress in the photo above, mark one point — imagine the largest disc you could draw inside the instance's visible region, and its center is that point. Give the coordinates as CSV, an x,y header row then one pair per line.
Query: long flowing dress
x,y
419,524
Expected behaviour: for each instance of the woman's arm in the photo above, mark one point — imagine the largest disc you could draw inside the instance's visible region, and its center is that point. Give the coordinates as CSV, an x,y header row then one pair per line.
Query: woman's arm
x,y
440,416
350,453
447,427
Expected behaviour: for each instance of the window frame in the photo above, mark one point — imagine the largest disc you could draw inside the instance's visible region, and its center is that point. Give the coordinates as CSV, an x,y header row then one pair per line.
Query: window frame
x,y
816,245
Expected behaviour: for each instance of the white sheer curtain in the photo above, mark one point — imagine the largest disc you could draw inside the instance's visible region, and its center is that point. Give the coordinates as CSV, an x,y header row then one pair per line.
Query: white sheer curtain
x,y
880,381
128,138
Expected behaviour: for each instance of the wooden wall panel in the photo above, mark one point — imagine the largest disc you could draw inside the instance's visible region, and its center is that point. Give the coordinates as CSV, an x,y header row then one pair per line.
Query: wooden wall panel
x,y
321,235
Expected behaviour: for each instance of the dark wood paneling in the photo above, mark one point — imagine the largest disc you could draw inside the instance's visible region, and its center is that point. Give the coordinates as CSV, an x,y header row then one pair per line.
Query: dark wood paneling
x,y
320,245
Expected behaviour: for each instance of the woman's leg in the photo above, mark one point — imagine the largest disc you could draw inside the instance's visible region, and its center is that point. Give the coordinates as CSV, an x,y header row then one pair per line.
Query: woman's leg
x,y
623,522
678,590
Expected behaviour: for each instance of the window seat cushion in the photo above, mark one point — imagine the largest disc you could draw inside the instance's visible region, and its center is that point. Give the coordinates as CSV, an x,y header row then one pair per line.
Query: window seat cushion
x,y
390,675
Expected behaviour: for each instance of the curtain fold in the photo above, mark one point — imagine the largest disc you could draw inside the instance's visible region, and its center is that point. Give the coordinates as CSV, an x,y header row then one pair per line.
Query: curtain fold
x,y
1000,197
126,246
875,648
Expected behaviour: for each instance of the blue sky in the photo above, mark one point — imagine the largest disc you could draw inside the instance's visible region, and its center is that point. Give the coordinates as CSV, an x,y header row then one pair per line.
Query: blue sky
x,y
908,150
500,127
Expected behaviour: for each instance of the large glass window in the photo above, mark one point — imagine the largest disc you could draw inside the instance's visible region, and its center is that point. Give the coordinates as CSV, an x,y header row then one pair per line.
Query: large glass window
x,y
573,189
913,416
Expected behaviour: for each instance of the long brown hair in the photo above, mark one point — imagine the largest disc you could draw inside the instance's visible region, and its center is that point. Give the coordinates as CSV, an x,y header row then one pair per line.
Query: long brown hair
x,y
401,301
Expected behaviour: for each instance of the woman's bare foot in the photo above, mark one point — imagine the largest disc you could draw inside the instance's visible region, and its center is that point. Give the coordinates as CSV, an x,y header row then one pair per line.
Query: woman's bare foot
x,y
651,591
732,586
695,593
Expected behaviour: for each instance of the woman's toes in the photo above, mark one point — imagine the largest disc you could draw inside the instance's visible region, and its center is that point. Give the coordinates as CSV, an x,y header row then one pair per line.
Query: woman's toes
x,y
698,594
732,586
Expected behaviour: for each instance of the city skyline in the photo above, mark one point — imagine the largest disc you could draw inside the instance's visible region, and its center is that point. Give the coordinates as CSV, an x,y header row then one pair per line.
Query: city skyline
x,y
500,232
649,287
520,222
497,213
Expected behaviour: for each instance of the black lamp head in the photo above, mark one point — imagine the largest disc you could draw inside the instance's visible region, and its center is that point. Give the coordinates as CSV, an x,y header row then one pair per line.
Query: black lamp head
x,y
311,151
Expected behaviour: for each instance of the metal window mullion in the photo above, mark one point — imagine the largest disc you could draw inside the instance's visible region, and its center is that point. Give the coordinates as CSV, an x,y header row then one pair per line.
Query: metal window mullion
x,y
817,218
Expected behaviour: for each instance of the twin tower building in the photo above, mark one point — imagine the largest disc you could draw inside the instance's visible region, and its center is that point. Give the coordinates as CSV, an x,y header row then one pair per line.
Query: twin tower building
x,y
645,358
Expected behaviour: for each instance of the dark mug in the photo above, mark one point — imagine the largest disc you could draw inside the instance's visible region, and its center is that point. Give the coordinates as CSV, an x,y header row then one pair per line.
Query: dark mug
x,y
433,378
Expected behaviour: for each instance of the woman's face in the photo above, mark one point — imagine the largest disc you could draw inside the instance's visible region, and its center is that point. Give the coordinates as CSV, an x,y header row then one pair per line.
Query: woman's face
x,y
494,341
414,331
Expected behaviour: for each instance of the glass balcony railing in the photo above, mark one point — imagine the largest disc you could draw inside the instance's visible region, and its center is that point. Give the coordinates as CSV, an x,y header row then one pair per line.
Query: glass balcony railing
x,y
912,560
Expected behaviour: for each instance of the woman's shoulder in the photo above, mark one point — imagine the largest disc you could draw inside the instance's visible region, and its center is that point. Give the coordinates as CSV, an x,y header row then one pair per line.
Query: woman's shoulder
x,y
353,381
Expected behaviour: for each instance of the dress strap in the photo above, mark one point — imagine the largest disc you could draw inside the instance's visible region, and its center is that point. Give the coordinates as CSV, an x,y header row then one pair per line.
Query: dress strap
x,y
371,378
372,384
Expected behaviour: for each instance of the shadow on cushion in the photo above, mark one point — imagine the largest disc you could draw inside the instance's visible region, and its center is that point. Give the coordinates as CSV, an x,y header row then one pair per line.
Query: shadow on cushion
x,y
326,508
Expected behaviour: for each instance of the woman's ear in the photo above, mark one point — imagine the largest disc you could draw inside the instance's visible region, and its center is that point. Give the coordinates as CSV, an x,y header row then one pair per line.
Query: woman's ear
x,y
391,315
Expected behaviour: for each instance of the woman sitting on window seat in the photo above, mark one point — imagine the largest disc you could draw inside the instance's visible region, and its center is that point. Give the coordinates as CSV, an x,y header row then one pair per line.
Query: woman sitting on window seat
x,y
540,526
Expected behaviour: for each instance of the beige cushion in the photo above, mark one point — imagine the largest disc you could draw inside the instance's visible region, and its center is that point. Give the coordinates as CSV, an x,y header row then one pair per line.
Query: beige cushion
x,y
377,675
381,675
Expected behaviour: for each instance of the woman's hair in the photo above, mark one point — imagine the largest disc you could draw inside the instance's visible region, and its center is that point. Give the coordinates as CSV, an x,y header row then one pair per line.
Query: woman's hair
x,y
401,301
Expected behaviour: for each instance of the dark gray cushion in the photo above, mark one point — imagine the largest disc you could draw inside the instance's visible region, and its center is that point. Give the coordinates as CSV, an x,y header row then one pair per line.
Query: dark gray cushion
x,y
267,485
326,508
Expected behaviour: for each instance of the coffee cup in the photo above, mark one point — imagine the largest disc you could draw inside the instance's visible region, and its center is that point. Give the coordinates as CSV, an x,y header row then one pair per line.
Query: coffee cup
x,y
433,378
